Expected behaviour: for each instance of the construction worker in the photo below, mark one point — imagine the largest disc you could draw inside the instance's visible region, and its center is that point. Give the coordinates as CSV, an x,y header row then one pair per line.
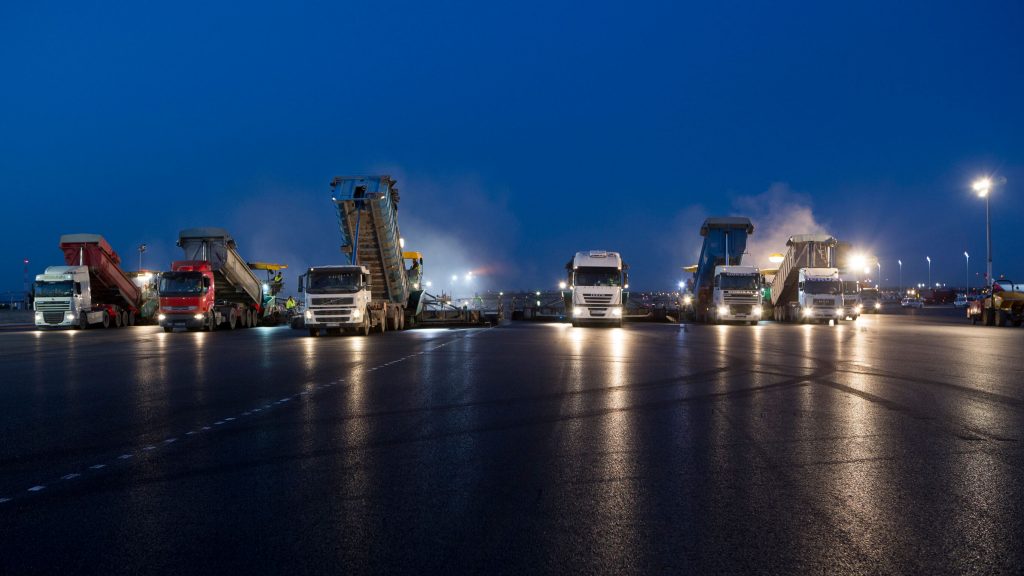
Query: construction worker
x,y
289,304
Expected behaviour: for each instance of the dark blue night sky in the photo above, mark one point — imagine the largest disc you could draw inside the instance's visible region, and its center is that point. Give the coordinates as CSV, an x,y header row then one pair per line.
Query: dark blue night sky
x,y
519,133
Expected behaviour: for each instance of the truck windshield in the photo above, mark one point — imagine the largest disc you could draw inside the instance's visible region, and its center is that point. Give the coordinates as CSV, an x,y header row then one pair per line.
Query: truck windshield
x,y
593,276
850,287
869,293
821,287
324,282
738,281
54,289
180,284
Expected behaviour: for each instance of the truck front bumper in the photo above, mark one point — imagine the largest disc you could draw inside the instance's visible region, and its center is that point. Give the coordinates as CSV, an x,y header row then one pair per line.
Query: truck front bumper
x,y
333,318
63,319
186,321
739,313
597,314
822,313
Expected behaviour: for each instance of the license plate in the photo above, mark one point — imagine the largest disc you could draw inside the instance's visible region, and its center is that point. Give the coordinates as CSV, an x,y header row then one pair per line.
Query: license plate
x,y
333,324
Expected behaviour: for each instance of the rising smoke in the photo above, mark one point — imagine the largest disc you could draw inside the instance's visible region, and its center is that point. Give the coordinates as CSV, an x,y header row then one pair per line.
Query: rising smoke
x,y
777,214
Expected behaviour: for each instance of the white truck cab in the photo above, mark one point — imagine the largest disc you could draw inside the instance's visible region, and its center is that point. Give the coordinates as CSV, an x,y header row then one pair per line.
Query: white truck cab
x,y
61,295
596,280
852,304
736,295
337,298
820,294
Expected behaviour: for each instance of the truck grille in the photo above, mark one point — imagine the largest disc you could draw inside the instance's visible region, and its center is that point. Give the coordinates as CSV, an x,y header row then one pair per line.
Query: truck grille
x,y
333,315
741,308
597,298
824,302
340,301
53,317
598,312
62,306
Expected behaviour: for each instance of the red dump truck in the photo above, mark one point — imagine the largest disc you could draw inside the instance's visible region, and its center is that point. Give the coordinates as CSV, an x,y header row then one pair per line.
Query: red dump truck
x,y
213,288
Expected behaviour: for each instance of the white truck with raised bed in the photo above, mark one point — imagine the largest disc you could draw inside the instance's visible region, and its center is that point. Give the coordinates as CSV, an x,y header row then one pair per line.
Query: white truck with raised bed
x,y
373,292
807,287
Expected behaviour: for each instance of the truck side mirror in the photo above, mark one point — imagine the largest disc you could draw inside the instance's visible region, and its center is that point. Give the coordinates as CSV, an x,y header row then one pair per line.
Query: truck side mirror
x,y
302,278
78,288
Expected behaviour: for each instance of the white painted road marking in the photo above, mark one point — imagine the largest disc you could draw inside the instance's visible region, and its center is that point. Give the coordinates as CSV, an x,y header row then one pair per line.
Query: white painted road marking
x,y
36,488
70,476
97,466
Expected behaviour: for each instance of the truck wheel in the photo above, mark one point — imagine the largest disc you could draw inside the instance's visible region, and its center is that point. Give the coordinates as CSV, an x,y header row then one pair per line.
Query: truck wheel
x,y
117,320
211,322
83,322
986,317
106,319
1001,318
131,318
232,320
365,329
314,332
382,326
168,328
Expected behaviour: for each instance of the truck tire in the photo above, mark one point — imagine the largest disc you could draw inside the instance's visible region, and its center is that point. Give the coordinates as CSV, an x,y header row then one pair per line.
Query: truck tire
x,y
364,330
83,322
1001,318
131,318
117,320
382,325
211,322
168,329
232,320
986,317
106,319
314,332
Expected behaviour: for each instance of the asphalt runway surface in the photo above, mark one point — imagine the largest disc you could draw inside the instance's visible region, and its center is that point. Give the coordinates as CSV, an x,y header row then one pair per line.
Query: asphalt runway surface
x,y
892,445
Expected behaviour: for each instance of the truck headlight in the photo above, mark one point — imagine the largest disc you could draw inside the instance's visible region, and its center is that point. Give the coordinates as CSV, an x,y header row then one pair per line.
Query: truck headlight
x,y
687,300
757,311
39,315
579,311
161,317
198,316
805,312
839,311
69,315
616,311
878,305
309,314
723,310
357,314
859,307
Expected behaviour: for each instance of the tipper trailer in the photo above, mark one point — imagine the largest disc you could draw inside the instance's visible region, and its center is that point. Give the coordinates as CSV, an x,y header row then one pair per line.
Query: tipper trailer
x,y
213,287
725,241
373,292
91,289
807,287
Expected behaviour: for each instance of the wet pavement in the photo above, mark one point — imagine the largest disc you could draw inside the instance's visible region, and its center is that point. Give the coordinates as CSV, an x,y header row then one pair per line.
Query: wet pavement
x,y
892,445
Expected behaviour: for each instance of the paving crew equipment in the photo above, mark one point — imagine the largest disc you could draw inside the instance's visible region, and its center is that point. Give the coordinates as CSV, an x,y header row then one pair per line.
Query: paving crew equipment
x,y
807,286
725,241
212,288
1002,306
373,291
91,289
272,311
596,281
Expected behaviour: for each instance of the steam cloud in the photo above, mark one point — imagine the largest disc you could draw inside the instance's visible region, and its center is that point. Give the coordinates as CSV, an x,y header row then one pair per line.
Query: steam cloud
x,y
777,214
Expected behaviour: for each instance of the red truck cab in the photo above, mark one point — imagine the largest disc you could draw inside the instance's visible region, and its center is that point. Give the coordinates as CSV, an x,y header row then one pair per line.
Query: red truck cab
x,y
186,296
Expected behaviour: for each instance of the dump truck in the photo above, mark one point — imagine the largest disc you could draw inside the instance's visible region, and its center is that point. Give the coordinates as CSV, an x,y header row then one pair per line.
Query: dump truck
x,y
597,281
373,291
1002,306
725,241
212,287
90,290
807,287
736,295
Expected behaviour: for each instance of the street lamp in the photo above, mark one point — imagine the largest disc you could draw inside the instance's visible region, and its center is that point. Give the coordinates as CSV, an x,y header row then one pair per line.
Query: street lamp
x,y
982,186
879,264
900,262
968,257
929,259
142,248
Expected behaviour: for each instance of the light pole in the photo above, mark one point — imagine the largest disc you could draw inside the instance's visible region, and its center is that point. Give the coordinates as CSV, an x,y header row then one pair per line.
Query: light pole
x,y
879,264
900,262
142,248
982,186
929,259
968,257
